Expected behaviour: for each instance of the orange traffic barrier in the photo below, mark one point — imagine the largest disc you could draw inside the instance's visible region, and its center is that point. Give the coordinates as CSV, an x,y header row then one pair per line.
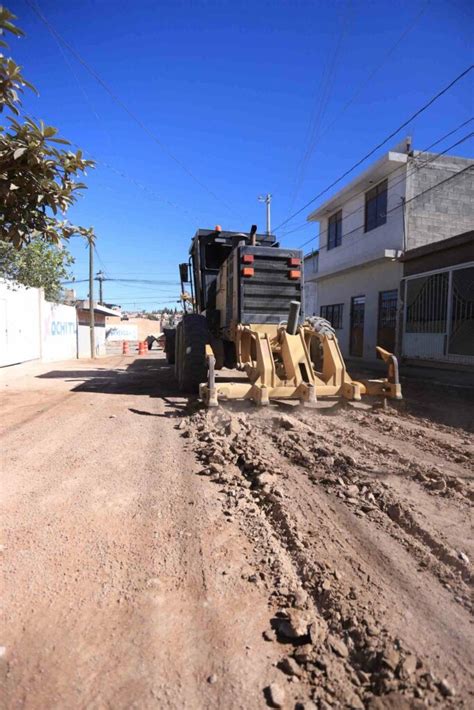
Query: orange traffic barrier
x,y
141,347
125,347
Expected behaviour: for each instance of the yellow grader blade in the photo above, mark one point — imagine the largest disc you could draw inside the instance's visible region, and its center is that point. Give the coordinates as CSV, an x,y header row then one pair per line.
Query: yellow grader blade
x,y
278,365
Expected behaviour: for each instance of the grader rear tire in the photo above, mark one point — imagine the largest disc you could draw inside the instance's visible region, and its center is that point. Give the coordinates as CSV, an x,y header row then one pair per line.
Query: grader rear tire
x,y
192,336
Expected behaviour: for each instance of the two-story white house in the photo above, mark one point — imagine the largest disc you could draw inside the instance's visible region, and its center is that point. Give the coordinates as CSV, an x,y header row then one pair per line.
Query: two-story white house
x,y
404,200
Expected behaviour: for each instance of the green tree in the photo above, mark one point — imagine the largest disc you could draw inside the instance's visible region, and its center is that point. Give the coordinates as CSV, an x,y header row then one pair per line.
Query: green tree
x,y
39,180
38,264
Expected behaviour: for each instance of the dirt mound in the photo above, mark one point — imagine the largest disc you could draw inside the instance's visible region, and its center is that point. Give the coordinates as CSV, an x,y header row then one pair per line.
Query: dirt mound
x,y
341,518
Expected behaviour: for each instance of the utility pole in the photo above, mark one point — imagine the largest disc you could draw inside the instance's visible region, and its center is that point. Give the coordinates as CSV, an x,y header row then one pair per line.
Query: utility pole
x,y
267,199
100,278
91,297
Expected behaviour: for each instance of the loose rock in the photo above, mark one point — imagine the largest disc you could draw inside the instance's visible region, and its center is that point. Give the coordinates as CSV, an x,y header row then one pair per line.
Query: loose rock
x,y
338,646
275,695
446,689
290,667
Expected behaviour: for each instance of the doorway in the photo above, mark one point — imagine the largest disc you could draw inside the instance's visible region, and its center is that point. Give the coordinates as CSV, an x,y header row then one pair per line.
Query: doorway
x,y
356,343
387,320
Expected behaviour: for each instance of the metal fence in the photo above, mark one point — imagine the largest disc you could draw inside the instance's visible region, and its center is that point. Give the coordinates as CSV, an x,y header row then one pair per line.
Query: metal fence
x,y
438,321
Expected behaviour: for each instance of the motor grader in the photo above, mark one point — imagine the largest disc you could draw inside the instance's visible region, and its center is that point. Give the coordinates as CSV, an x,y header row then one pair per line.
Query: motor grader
x,y
245,311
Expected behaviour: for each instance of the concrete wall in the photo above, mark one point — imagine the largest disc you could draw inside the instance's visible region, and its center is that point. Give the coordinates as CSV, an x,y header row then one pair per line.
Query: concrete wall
x,y
311,265
58,331
144,326
84,343
445,210
359,246
34,329
121,331
20,338
368,281
311,307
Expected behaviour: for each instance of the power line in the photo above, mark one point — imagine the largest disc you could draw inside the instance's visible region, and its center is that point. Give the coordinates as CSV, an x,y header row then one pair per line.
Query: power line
x,y
141,186
154,283
103,163
391,135
152,299
369,78
99,258
416,167
360,88
404,176
320,106
147,281
156,299
121,103
397,207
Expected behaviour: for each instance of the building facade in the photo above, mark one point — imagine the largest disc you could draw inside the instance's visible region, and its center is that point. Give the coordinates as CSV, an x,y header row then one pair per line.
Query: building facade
x,y
405,200
310,270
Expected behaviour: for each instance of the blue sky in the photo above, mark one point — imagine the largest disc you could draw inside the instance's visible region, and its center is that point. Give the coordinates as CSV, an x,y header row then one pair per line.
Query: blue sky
x,y
232,90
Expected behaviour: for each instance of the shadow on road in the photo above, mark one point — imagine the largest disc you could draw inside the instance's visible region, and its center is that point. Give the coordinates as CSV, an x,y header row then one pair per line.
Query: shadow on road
x,y
152,377
435,401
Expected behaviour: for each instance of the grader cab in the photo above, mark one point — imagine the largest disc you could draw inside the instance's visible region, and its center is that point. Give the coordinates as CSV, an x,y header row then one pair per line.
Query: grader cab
x,y
244,312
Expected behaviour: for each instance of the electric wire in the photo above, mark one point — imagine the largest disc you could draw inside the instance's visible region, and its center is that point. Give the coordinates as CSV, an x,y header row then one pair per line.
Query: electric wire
x,y
369,78
360,88
100,259
403,177
320,107
135,281
402,204
408,174
141,186
122,104
391,135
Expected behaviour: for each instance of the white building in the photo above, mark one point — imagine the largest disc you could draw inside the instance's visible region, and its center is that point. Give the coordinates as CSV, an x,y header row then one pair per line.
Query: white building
x,y
404,200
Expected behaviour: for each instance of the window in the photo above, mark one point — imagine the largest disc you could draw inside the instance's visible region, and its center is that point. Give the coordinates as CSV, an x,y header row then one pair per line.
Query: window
x,y
376,206
335,230
216,254
333,314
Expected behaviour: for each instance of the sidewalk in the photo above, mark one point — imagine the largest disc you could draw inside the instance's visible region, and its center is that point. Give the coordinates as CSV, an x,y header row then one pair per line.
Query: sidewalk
x,y
22,375
433,375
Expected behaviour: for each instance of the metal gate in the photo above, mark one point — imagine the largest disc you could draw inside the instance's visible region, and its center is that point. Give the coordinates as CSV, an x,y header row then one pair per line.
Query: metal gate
x,y
387,320
439,316
356,344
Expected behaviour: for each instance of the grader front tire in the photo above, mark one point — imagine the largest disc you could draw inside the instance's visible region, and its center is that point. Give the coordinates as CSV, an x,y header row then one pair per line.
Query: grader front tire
x,y
170,344
192,336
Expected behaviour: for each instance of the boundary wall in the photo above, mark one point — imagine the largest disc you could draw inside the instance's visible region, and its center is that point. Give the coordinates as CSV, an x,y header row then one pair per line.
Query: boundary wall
x,y
32,328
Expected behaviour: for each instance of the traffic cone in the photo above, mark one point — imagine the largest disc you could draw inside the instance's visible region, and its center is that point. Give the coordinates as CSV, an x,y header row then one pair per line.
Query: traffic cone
x,y
125,347
141,347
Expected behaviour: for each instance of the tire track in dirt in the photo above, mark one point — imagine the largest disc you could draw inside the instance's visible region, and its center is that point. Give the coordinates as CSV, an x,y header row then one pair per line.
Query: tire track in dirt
x,y
371,661
343,476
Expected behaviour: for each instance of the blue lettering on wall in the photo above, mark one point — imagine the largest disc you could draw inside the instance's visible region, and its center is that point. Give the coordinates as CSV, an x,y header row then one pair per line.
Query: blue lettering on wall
x,y
62,327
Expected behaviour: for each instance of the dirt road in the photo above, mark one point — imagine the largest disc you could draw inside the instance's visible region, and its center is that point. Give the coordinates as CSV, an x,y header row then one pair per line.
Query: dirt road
x,y
159,556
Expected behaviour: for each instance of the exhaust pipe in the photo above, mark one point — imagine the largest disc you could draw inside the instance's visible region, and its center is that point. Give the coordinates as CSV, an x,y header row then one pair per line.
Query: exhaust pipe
x,y
293,317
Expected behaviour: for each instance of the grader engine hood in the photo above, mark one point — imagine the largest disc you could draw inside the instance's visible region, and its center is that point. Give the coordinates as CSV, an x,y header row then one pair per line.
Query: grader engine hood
x,y
261,282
